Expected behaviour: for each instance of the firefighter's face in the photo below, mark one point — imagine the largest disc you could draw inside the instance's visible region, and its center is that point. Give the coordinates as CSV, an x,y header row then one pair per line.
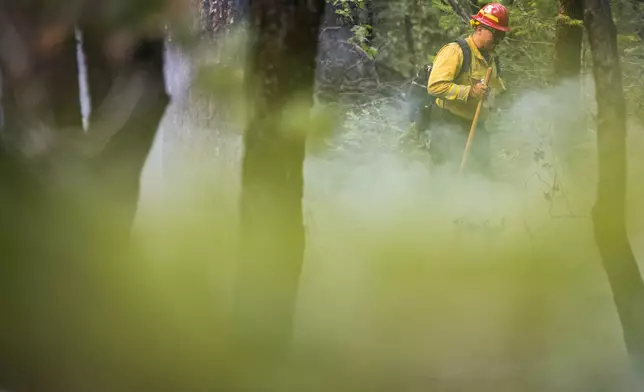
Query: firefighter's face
x,y
491,37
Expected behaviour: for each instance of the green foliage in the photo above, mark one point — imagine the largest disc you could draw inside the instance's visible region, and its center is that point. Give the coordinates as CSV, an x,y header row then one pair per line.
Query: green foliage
x,y
567,20
361,31
344,7
360,39
528,52
410,32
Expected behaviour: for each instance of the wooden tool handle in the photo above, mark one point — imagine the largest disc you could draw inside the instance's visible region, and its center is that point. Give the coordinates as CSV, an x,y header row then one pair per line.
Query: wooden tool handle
x,y
470,137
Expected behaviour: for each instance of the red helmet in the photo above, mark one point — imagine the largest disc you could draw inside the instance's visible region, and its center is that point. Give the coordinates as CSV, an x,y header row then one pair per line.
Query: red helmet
x,y
493,15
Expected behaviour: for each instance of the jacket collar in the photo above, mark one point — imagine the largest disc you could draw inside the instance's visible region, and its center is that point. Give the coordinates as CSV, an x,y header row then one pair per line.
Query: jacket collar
x,y
475,50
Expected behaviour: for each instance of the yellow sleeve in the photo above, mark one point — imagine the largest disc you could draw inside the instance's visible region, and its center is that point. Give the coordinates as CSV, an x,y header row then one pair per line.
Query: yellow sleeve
x,y
441,80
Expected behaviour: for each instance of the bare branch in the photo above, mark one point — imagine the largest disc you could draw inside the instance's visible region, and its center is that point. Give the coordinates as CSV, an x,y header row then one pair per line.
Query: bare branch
x,y
459,10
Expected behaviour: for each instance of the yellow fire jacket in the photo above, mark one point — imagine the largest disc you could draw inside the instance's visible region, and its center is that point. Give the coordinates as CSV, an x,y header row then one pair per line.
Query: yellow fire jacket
x,y
453,95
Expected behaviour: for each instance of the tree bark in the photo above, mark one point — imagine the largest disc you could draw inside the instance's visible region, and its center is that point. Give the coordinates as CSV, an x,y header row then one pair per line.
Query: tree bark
x,y
458,9
370,20
281,72
118,146
218,15
409,39
206,16
474,6
66,213
568,39
239,10
609,212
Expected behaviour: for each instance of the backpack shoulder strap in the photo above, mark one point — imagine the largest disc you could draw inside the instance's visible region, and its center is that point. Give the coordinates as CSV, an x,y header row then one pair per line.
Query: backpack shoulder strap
x,y
467,56
497,63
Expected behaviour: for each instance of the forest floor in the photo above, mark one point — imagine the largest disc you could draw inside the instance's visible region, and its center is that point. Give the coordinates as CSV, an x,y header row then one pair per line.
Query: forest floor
x,y
414,278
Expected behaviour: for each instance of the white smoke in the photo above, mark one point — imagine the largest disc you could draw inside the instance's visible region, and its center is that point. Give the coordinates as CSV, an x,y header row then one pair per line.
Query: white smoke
x,y
417,274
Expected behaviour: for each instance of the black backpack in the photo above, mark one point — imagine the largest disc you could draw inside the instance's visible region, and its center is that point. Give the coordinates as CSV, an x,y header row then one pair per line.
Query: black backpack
x,y
419,98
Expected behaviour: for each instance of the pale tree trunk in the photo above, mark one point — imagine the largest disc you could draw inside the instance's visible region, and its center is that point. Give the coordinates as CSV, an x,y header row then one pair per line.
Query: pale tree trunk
x,y
281,69
568,39
206,16
218,15
240,10
609,213
567,68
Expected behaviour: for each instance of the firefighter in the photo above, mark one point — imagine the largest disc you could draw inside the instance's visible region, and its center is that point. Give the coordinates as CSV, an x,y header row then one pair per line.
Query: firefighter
x,y
457,98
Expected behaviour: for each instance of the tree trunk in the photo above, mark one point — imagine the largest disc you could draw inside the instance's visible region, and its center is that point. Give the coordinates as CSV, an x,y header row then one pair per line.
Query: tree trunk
x,y
568,39
474,6
458,9
609,212
206,16
240,10
218,15
67,202
409,39
567,67
280,73
122,153
370,20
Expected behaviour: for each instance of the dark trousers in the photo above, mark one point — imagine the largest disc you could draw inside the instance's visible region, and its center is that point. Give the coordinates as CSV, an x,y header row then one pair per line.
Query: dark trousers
x,y
448,136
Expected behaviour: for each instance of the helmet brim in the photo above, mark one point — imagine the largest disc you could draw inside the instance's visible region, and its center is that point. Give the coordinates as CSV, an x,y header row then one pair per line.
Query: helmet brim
x,y
490,24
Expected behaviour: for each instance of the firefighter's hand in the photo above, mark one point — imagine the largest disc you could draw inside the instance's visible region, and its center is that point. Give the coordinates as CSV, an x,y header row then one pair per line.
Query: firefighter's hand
x,y
479,91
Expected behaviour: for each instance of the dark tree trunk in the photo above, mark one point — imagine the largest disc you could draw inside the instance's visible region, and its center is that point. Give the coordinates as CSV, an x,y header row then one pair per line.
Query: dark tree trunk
x,y
68,197
120,159
281,69
460,11
609,213
638,9
370,20
568,39
409,38
240,10
474,6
